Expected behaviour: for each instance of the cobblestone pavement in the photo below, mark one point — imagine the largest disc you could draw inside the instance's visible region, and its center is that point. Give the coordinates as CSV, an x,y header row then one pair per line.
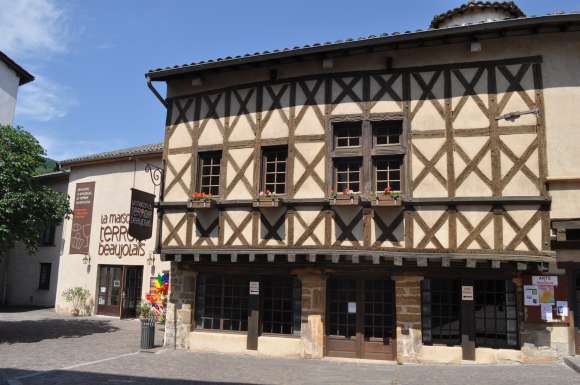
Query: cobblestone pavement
x,y
39,347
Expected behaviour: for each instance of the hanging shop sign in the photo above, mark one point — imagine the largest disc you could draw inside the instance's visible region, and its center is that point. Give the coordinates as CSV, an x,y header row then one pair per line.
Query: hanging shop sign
x,y
141,214
82,218
467,293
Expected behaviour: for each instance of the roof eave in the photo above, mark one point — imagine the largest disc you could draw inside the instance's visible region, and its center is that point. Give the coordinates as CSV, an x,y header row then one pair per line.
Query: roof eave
x,y
166,74
23,75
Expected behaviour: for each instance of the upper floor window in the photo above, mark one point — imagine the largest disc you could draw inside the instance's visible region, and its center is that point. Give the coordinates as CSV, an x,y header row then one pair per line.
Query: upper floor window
x,y
387,132
209,172
48,235
388,173
274,169
347,134
347,174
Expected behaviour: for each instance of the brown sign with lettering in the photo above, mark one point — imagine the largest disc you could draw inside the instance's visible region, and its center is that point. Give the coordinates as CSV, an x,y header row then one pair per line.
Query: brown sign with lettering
x,y
141,214
82,218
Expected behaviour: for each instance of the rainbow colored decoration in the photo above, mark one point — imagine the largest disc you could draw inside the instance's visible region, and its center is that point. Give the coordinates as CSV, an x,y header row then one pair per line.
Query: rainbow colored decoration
x,y
157,296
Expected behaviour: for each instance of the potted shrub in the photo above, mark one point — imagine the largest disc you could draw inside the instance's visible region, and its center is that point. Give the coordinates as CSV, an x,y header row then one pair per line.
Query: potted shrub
x,y
201,200
345,198
267,199
77,297
386,198
147,325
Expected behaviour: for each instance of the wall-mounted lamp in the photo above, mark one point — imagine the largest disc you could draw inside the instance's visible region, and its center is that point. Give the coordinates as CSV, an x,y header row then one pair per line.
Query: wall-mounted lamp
x,y
86,259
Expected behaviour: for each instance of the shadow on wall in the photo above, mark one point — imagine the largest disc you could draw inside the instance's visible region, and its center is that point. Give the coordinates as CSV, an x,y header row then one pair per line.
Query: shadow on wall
x,y
64,377
12,332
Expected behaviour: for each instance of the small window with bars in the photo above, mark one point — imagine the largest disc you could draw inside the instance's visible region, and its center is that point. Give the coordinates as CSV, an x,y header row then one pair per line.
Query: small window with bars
x,y
209,172
388,174
347,174
496,319
282,299
222,303
441,311
387,132
347,134
274,169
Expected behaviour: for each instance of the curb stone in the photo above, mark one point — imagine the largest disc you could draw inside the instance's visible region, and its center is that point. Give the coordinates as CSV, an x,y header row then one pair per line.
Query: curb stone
x,y
573,364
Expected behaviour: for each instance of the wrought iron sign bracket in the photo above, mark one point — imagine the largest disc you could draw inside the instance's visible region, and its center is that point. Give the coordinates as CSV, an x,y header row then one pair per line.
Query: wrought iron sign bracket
x,y
156,173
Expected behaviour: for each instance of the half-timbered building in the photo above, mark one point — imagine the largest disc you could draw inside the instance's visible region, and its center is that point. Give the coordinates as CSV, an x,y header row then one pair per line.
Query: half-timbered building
x,y
383,197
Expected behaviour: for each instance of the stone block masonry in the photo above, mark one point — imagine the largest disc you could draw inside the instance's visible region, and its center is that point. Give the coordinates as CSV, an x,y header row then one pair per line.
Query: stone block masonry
x,y
408,317
313,309
180,305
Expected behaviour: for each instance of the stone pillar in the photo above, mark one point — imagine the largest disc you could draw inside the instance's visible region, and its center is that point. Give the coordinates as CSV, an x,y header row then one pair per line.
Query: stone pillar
x,y
313,309
180,305
408,317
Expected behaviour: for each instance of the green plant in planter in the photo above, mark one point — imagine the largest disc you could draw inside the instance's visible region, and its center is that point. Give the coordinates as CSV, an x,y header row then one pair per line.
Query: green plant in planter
x,y
144,310
77,297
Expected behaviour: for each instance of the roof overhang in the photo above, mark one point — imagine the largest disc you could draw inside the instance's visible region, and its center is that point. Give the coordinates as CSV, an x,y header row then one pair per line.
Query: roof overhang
x,y
396,40
25,76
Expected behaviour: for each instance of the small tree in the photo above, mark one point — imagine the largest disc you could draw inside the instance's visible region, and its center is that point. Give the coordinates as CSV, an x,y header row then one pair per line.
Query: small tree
x,y
26,206
77,297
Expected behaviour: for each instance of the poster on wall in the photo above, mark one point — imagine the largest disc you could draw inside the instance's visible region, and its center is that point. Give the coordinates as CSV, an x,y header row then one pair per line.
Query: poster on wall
x,y
546,310
141,214
531,295
562,308
82,218
546,294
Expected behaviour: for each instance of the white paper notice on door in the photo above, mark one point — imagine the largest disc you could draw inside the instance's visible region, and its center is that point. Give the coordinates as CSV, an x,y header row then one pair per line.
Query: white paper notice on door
x,y
546,310
352,307
562,308
531,295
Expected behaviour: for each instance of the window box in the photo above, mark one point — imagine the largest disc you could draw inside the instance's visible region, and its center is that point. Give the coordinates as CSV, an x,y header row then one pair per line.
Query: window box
x,y
201,201
385,200
267,201
344,200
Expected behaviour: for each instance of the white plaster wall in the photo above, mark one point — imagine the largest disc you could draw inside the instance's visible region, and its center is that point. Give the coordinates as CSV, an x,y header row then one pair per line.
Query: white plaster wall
x,y
23,269
112,195
9,82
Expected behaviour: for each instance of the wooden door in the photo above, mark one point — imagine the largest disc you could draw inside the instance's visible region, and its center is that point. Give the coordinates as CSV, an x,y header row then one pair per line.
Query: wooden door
x,y
110,290
132,279
360,319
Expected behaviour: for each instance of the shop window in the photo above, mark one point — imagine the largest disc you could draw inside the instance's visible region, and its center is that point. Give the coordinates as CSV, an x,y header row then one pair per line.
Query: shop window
x,y
274,169
347,175
387,132
341,321
281,303
222,303
209,172
441,311
347,134
388,174
496,324
378,309
48,235
44,278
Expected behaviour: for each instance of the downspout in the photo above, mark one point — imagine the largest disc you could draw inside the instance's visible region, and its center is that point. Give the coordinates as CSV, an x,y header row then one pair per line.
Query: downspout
x,y
159,209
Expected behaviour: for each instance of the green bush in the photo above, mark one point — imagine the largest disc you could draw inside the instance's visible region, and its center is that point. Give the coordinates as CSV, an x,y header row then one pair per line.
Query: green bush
x,y
77,297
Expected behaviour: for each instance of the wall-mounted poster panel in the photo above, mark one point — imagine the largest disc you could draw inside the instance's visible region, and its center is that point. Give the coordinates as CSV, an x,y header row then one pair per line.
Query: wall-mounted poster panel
x,y
82,217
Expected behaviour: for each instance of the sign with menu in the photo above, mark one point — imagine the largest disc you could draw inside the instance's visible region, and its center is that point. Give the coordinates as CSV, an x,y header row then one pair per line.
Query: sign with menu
x,y
82,217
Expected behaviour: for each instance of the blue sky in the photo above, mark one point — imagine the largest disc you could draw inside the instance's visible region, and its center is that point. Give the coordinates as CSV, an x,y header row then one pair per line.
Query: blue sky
x,y
89,57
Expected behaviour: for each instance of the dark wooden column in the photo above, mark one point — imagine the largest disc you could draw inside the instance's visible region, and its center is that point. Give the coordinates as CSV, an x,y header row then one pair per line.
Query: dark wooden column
x,y
467,324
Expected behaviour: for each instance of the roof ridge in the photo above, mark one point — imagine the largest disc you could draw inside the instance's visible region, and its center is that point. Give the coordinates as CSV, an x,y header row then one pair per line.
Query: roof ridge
x,y
117,154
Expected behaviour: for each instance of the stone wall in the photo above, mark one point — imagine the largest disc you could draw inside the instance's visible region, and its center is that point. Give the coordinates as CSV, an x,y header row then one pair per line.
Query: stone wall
x,y
313,309
408,317
180,305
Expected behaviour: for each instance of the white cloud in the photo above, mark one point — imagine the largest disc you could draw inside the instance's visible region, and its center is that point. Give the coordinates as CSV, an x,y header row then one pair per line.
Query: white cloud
x,y
44,100
30,27
59,148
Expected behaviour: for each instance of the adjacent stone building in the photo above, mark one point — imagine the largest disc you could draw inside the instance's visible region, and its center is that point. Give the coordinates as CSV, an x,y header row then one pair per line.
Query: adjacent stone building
x,y
386,197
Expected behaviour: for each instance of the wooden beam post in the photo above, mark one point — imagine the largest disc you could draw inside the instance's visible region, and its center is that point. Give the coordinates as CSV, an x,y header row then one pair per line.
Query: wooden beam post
x,y
253,316
467,325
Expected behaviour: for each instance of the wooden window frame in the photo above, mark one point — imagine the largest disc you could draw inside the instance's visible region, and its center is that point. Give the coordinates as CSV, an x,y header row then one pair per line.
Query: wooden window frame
x,y
375,136
427,319
263,167
375,171
347,124
335,172
44,285
367,150
201,155
294,302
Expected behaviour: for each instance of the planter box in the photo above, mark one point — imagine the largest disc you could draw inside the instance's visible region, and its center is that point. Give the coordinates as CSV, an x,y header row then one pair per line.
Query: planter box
x,y
345,200
267,202
382,200
202,204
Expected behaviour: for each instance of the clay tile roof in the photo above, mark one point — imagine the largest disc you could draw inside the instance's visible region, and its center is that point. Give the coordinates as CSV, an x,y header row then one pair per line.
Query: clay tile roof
x,y
147,149
508,6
